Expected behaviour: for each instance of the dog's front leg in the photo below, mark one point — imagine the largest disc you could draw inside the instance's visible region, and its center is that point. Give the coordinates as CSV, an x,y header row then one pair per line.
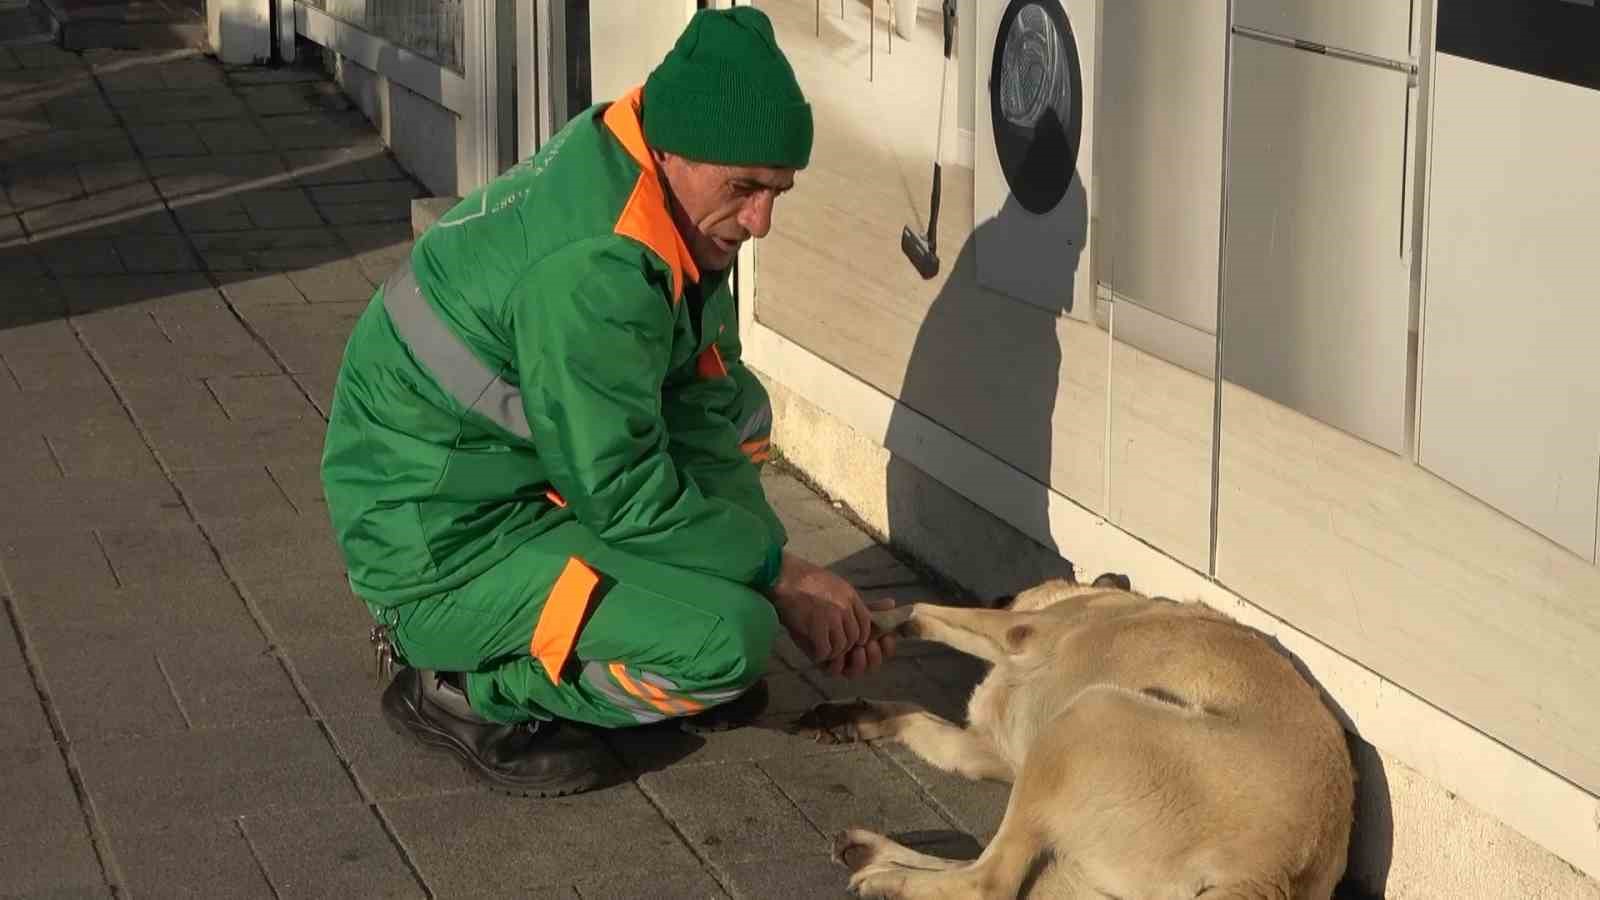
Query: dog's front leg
x,y
940,743
989,634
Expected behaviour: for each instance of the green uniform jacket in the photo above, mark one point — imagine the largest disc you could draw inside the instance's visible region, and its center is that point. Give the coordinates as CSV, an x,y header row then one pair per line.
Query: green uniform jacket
x,y
550,353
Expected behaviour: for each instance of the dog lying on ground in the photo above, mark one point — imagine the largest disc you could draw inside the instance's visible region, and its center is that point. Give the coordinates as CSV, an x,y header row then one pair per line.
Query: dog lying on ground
x,y
1155,750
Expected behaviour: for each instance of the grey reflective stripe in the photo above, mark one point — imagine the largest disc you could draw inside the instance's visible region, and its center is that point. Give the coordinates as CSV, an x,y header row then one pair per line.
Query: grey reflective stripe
x,y
709,698
596,678
759,422
453,364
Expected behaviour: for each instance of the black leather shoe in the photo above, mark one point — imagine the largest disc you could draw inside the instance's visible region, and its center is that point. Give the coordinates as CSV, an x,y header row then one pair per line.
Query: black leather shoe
x,y
528,759
736,713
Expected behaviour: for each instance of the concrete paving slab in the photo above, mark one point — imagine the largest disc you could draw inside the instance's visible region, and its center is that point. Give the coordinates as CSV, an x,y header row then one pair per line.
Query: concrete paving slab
x,y
688,884
91,256
172,140
52,863
151,255
308,340
44,564
145,554
33,187
333,282
809,876
187,604
231,492
180,105
857,788
279,208
266,398
24,723
302,484
46,57
732,813
366,213
305,608
319,384
111,685
265,546
902,679
248,289
115,211
100,448
487,845
212,775
191,859
976,807
38,791
393,767
69,145
47,510
311,130
181,176
22,262
233,136
170,404
293,97
338,672
340,852
342,165
211,214
64,365
125,297
239,443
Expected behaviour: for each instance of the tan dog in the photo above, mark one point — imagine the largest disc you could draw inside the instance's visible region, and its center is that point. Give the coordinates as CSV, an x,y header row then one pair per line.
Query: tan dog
x,y
1155,750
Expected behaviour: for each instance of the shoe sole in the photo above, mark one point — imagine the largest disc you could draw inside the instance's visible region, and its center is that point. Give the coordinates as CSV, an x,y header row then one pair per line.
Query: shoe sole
x,y
413,726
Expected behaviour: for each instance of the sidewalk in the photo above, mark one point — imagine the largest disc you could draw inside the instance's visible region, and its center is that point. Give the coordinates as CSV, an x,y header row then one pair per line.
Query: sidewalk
x,y
187,700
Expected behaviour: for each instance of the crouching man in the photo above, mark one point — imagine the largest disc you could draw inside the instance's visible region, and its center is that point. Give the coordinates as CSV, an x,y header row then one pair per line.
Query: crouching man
x,y
543,456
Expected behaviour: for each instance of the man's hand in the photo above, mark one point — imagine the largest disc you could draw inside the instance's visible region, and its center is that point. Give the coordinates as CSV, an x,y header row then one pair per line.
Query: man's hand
x,y
828,619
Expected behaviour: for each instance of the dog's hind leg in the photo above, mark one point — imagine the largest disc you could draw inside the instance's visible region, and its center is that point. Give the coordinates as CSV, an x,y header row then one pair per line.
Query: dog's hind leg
x,y
989,634
941,743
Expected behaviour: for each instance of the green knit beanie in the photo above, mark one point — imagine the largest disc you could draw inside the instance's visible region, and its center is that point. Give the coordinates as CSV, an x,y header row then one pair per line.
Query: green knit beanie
x,y
726,94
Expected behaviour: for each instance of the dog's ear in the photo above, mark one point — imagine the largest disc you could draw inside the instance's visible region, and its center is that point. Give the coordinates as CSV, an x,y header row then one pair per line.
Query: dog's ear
x,y
1114,580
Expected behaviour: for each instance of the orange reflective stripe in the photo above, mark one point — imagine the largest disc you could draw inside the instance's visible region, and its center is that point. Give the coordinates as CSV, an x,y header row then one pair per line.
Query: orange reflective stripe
x,y
710,364
646,218
619,672
555,498
562,616
759,449
662,700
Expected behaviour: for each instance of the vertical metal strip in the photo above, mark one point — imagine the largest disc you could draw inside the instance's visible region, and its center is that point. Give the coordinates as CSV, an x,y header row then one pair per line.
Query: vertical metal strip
x,y
1222,263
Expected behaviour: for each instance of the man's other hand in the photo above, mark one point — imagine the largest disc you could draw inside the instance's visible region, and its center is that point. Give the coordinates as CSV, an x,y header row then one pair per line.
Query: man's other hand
x,y
828,619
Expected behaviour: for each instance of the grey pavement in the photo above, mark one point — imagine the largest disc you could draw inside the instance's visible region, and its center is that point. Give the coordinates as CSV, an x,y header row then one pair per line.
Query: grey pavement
x,y
187,703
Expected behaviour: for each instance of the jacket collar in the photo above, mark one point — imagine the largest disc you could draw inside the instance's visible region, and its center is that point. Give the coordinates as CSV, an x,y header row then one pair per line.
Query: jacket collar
x,y
646,217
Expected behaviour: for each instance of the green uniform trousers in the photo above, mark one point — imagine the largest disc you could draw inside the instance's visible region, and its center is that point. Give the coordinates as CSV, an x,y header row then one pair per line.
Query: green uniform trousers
x,y
647,641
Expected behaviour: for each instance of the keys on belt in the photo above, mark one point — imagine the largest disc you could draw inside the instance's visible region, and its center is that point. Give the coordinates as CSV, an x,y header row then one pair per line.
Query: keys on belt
x,y
383,651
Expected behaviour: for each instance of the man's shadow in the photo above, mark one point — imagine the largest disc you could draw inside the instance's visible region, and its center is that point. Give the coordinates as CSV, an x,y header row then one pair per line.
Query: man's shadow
x,y
986,366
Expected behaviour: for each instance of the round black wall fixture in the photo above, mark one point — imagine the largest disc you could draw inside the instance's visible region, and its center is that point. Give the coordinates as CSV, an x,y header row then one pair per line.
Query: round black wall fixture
x,y
1036,102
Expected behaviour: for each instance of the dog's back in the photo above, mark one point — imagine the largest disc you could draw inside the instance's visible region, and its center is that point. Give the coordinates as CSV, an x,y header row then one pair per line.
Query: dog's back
x,y
1169,750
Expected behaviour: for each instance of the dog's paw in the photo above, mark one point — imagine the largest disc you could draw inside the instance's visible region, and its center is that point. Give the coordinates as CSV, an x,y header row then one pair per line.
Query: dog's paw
x,y
896,620
855,848
839,721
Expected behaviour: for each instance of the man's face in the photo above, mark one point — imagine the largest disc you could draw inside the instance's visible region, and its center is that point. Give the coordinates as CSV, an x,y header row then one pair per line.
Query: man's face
x,y
717,208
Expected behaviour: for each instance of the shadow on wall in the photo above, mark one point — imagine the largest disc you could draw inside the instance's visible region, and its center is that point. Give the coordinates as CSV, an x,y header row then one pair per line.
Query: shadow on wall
x,y
985,366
